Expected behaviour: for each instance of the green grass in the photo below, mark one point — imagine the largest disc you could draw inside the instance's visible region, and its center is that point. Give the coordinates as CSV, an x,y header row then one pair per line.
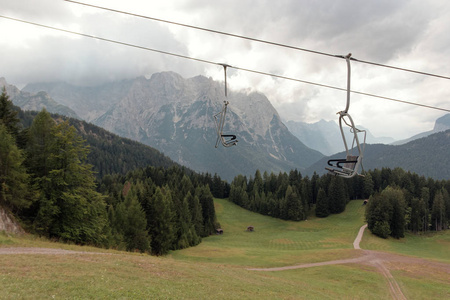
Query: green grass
x,y
432,245
216,269
275,242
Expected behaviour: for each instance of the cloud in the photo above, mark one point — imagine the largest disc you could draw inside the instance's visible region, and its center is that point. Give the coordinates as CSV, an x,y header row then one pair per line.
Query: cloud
x,y
402,33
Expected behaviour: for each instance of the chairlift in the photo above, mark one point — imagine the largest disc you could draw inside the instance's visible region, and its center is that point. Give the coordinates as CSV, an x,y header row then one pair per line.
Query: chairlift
x,y
348,167
227,140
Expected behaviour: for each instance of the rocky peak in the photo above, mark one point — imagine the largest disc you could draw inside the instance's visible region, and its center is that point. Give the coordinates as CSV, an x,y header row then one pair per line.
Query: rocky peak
x,y
442,124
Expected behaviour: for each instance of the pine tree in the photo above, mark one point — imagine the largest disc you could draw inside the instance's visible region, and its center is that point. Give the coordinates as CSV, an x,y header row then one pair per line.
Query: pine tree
x,y
161,227
378,214
446,196
424,208
322,204
8,116
336,195
294,205
82,210
188,233
368,186
135,227
208,212
196,215
69,206
15,189
415,222
397,220
387,209
40,146
438,212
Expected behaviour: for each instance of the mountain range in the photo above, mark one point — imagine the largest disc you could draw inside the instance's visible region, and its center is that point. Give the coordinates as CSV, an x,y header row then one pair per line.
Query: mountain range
x,y
325,136
175,116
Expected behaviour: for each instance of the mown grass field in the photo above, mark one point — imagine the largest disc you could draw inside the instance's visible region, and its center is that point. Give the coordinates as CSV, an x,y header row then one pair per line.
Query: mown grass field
x,y
217,268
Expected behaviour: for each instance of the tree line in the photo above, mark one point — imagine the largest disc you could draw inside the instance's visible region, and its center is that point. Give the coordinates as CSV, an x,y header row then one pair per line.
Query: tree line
x,y
156,209
46,182
397,200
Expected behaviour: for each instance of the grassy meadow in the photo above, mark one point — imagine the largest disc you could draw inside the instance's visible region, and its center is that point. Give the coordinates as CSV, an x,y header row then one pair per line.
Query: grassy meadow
x,y
217,268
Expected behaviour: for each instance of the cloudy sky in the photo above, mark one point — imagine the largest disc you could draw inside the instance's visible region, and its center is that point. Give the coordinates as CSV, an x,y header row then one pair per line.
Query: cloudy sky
x,y
409,34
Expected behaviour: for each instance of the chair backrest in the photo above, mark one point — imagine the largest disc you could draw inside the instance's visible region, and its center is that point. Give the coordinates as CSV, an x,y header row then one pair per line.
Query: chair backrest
x,y
352,160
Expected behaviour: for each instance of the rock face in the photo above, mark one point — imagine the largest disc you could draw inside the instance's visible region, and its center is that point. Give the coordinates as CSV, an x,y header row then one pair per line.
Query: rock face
x,y
175,116
8,224
35,101
442,124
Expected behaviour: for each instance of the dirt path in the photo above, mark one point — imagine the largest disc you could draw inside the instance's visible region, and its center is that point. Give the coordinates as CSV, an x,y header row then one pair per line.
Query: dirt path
x,y
359,237
35,250
373,258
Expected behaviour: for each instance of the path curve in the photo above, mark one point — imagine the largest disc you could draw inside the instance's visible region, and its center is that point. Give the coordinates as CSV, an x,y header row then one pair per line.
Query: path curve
x,y
373,258
36,250
359,237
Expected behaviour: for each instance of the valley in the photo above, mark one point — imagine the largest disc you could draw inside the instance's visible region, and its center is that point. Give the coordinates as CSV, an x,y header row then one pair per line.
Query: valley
x,y
218,267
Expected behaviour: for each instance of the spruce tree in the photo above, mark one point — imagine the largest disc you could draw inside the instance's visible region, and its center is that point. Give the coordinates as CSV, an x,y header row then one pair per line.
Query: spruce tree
x,y
294,205
69,206
15,189
322,204
196,215
368,186
135,227
161,227
397,219
337,195
424,211
8,116
438,212
82,210
209,214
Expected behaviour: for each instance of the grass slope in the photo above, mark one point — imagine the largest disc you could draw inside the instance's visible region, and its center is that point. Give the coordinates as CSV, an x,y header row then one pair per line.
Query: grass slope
x,y
276,242
216,269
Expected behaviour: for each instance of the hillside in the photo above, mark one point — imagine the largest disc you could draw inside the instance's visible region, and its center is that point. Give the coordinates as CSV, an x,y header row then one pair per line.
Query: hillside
x,y
110,153
426,156
217,268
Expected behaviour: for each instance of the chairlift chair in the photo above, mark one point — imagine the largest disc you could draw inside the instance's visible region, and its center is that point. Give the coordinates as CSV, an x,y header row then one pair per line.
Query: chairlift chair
x,y
348,167
227,140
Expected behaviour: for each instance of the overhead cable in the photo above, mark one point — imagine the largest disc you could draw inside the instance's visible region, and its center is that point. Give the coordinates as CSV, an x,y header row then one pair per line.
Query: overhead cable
x,y
254,39
215,63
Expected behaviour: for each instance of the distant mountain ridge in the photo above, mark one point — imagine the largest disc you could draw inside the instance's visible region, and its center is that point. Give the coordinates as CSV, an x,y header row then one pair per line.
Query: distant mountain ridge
x,y
325,136
175,115
441,124
88,102
428,156
36,101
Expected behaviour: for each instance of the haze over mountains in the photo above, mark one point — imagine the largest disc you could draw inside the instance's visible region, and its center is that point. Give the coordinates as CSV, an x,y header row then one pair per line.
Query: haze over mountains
x,y
175,116
325,136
